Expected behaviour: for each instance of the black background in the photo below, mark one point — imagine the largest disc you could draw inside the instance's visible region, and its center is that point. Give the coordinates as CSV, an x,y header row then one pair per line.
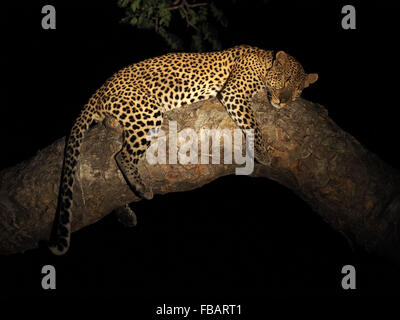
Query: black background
x,y
237,236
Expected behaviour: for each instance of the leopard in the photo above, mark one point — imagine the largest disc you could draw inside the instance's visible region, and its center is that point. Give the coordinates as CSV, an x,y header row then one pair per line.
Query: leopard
x,y
138,97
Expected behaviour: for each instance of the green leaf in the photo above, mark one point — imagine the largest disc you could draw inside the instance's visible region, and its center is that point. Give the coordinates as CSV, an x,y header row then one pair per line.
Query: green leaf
x,y
140,19
123,3
135,5
165,18
193,18
150,11
218,15
133,21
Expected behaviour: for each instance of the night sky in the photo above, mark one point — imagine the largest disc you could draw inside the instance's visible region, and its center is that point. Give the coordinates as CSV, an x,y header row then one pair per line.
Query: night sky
x,y
238,236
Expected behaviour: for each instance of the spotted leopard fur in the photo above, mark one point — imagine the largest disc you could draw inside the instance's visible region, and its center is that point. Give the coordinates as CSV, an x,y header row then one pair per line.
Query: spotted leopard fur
x,y
139,95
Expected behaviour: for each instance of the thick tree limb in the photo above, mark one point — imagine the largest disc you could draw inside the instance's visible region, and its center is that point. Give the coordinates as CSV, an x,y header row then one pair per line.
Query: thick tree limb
x,y
351,188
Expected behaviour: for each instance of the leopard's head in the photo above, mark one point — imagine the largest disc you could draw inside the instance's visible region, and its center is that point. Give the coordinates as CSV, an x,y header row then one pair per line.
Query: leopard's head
x,y
286,80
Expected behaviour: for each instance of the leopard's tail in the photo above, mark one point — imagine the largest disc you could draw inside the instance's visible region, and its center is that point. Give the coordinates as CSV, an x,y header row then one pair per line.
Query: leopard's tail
x,y
62,234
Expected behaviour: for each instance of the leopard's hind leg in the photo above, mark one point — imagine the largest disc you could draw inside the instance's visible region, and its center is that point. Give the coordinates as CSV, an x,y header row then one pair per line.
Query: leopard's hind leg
x,y
140,118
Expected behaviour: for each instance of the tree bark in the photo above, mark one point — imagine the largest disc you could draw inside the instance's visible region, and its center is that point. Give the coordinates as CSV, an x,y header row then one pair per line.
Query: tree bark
x,y
348,186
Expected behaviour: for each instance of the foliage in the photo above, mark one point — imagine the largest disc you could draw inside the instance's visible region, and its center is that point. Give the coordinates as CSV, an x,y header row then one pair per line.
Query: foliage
x,y
165,17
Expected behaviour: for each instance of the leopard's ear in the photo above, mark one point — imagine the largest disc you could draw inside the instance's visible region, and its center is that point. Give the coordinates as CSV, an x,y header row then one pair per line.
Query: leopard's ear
x,y
311,78
282,57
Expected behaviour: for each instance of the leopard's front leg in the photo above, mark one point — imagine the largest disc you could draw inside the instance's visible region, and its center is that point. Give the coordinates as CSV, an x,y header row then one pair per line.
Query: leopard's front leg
x,y
236,100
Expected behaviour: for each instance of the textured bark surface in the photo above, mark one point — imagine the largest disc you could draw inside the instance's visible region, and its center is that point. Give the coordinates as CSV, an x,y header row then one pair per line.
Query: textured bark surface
x,y
348,186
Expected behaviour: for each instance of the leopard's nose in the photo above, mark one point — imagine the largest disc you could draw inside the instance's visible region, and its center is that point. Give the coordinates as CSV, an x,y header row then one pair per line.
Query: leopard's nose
x,y
285,96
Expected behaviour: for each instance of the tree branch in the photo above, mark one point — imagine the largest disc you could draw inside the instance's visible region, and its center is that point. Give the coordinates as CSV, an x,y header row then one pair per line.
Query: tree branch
x,y
184,7
348,186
